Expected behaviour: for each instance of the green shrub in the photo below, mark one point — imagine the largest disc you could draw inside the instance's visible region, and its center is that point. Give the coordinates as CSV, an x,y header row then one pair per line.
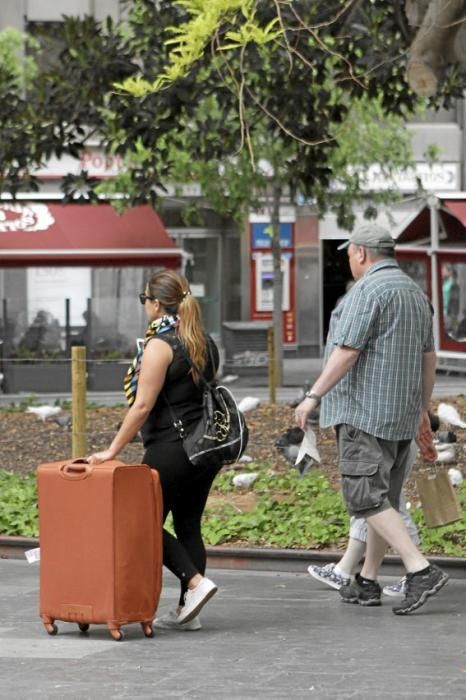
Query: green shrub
x,y
18,504
290,512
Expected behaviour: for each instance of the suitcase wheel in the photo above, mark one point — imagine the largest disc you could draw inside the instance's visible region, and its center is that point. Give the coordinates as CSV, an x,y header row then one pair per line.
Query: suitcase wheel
x,y
51,628
83,626
147,629
118,635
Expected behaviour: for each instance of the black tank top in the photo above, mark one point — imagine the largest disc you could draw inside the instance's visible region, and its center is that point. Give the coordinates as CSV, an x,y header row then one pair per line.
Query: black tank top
x,y
183,395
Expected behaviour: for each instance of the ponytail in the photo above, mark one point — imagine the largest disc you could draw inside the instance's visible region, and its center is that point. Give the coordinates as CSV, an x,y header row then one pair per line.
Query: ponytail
x,y
191,332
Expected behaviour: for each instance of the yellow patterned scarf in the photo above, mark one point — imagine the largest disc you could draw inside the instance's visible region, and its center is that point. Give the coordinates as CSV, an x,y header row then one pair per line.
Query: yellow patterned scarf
x,y
130,381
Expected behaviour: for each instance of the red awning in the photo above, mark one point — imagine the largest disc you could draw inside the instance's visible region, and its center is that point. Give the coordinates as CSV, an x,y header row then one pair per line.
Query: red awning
x,y
82,234
458,207
453,215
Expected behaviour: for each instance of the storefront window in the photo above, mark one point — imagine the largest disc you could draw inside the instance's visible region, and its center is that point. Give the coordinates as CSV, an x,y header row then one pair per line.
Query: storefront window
x,y
454,300
45,310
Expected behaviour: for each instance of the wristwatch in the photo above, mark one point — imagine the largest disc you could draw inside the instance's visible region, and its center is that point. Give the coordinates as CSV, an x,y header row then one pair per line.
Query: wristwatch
x,y
313,395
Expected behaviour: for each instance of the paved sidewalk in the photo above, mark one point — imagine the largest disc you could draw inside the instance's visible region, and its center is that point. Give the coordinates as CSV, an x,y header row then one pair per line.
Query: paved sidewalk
x,y
266,635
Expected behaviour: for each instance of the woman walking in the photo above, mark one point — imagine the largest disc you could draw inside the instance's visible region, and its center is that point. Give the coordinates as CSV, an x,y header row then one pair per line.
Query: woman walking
x,y
163,387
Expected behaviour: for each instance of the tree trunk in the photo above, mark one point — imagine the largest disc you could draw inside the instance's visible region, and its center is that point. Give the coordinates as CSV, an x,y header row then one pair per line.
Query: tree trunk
x,y
432,49
415,11
277,315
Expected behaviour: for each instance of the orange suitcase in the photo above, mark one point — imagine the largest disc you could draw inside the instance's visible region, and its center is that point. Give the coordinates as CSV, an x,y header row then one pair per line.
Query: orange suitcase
x,y
100,544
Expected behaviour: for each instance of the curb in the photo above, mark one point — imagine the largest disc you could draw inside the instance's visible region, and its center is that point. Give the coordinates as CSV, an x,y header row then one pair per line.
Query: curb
x,y
260,559
297,560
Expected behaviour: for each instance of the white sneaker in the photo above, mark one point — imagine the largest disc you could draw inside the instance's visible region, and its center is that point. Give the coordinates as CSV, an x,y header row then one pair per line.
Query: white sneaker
x,y
326,574
170,622
196,598
398,588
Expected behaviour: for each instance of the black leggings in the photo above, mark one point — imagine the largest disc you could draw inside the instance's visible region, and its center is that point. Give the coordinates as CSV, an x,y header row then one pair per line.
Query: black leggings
x,y
185,489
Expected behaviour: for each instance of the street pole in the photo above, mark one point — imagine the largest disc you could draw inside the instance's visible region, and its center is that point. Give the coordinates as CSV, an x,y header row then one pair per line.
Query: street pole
x,y
433,204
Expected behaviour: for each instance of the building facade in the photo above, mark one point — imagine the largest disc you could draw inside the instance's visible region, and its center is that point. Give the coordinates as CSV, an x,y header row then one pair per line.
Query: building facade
x,y
229,270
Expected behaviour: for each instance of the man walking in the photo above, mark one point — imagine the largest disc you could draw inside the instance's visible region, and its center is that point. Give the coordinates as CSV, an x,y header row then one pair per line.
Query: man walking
x,y
377,382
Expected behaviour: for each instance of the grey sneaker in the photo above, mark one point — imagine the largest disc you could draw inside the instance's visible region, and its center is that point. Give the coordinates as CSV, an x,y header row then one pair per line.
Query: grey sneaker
x,y
398,588
368,594
170,622
326,574
419,587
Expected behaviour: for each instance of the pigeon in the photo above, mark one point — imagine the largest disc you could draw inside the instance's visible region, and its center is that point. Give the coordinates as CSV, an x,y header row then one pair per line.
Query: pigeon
x,y
449,415
249,403
446,455
229,378
242,481
44,412
289,443
298,448
446,436
455,476
62,421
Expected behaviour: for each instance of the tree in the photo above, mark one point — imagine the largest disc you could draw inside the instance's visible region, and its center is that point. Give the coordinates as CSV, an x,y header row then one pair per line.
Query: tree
x,y
434,31
286,77
17,73
235,185
306,149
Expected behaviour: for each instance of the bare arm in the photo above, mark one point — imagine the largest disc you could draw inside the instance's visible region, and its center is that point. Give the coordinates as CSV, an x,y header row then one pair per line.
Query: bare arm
x,y
155,361
424,437
429,363
339,363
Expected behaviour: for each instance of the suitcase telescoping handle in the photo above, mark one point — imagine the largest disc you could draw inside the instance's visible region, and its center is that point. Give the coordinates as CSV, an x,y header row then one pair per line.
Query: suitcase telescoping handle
x,y
77,469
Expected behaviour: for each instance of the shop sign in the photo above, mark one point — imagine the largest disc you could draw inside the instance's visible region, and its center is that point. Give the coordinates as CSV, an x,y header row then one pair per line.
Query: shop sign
x,y
261,234
438,176
101,165
20,217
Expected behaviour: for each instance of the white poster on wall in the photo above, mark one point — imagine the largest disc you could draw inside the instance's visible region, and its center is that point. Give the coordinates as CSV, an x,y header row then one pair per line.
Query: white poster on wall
x,y
49,287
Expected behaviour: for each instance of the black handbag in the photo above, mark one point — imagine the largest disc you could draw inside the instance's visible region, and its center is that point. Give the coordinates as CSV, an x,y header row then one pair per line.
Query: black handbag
x,y
221,434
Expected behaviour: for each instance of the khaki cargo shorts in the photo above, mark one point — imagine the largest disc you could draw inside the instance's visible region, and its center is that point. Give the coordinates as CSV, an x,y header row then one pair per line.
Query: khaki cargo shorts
x,y
372,470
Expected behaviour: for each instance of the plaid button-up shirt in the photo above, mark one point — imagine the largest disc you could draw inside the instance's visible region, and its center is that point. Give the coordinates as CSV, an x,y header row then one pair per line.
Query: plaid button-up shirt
x,y
388,318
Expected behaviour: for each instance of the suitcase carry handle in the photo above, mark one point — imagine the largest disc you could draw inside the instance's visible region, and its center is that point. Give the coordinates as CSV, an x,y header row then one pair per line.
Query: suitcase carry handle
x,y
77,469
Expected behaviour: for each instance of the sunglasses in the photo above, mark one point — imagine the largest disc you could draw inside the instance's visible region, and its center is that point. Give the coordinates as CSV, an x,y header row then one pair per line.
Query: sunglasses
x,y
143,298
